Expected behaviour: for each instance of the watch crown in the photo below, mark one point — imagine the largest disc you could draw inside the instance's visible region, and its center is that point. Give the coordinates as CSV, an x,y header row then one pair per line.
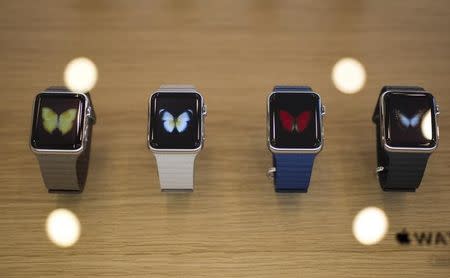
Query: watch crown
x,y
437,110
323,110
205,110
90,114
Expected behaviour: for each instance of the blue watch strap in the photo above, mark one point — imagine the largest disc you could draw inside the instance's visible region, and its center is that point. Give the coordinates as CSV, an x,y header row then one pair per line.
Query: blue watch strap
x,y
292,89
293,170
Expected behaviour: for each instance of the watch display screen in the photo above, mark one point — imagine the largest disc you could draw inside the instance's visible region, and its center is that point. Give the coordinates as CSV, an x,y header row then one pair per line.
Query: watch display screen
x,y
295,120
175,120
58,121
409,120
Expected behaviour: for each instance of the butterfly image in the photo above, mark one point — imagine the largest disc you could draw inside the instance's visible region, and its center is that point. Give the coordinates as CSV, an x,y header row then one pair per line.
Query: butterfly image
x,y
297,124
172,123
62,122
409,121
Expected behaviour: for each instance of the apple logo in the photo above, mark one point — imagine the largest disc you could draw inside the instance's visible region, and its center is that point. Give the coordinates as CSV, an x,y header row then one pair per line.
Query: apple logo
x,y
403,237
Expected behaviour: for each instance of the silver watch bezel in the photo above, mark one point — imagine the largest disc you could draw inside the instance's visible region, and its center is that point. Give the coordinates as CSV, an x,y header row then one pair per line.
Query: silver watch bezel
x,y
295,150
389,148
202,121
84,136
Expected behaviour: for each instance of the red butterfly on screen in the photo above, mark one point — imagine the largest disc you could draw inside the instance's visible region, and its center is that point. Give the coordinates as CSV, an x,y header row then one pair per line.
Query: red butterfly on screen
x,y
298,124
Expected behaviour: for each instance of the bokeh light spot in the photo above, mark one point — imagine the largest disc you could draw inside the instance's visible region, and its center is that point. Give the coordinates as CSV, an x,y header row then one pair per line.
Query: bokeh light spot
x,y
80,75
426,126
348,75
63,227
370,225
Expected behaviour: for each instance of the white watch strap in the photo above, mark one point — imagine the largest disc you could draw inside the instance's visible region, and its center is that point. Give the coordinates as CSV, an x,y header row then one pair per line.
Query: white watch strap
x,y
176,171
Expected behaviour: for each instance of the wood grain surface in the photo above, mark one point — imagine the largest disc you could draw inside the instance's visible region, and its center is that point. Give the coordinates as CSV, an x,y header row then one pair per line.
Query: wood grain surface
x,y
234,224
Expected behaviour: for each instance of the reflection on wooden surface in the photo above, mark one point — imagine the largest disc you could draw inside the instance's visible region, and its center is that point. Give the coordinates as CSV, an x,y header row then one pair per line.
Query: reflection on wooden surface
x,y
233,225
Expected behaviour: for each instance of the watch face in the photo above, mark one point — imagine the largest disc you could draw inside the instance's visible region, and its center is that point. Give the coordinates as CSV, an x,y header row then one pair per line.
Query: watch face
x,y
58,121
175,120
410,120
295,120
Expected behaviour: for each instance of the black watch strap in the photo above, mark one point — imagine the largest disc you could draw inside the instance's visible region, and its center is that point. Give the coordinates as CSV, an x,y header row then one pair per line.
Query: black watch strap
x,y
398,171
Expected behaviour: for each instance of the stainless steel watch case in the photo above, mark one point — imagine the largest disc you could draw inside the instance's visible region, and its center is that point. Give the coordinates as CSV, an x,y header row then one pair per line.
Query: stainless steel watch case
x,y
389,148
88,119
295,150
204,113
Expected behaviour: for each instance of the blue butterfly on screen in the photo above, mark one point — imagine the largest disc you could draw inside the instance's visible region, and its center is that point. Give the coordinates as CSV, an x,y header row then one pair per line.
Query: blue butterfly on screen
x,y
409,121
172,123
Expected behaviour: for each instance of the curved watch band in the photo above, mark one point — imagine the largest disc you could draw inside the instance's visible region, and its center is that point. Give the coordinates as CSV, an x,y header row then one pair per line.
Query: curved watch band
x,y
67,173
176,170
63,173
398,171
293,171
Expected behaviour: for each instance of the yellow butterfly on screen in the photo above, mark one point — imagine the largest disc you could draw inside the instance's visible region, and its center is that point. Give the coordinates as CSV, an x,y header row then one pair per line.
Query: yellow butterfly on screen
x,y
63,122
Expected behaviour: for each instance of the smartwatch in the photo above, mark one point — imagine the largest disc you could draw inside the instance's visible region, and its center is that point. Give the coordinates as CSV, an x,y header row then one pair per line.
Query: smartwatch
x,y
295,135
61,137
176,134
407,133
